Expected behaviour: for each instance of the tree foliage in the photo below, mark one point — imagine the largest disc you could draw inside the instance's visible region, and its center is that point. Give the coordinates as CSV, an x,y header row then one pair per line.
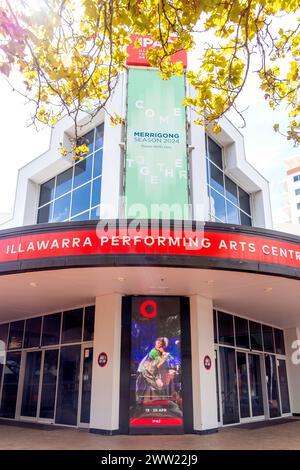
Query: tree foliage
x,y
70,53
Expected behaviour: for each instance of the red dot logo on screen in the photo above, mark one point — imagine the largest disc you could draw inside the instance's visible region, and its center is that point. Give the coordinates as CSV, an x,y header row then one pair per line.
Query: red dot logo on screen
x,y
148,309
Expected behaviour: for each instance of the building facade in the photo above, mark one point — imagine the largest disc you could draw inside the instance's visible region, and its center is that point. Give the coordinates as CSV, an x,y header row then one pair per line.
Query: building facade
x,y
291,186
142,289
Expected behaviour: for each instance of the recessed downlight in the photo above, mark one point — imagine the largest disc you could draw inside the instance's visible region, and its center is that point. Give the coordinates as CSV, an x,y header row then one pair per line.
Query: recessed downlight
x,y
33,284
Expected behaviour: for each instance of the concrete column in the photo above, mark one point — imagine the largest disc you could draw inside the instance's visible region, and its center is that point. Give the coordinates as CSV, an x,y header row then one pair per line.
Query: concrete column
x,y
106,380
204,381
292,346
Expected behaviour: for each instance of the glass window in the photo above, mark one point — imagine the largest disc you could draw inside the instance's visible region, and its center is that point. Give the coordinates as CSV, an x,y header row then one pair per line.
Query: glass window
x,y
217,205
45,214
72,326
49,384
99,137
83,216
4,334
47,192
298,205
214,152
297,178
62,208
16,332
64,182
51,329
255,336
297,192
241,332
56,194
216,178
81,199
279,341
95,213
33,332
244,199
236,200
232,213
231,190
88,139
268,338
245,219
225,328
97,163
96,192
89,320
83,171
10,384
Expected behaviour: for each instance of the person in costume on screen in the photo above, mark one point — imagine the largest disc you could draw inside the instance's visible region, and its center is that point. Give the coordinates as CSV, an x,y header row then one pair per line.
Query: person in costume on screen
x,y
155,372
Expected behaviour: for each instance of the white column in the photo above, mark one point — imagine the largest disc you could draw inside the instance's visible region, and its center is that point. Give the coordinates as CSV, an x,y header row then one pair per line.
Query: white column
x,y
204,380
106,380
292,346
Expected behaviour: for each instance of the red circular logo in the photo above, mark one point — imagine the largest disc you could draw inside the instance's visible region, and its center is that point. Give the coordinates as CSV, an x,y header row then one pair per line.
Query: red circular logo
x,y
207,362
102,359
148,309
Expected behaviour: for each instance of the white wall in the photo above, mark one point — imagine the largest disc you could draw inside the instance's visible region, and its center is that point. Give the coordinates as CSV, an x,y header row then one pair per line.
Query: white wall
x,y
204,381
106,380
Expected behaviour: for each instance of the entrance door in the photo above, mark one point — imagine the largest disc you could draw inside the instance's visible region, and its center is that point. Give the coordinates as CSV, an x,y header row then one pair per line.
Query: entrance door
x,y
86,387
272,385
250,386
39,388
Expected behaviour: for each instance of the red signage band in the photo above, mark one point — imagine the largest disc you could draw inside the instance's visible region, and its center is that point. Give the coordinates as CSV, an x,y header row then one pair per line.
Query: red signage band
x,y
234,246
138,56
156,422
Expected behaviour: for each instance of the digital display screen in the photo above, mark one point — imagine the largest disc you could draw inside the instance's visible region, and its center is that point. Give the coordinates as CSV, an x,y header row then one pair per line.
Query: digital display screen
x,y
155,388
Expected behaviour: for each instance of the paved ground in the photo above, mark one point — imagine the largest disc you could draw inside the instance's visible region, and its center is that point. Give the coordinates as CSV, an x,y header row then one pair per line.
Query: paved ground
x,y
283,436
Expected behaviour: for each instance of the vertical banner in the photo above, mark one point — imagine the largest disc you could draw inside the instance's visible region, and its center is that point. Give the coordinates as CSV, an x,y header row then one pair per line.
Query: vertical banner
x,y
156,149
156,391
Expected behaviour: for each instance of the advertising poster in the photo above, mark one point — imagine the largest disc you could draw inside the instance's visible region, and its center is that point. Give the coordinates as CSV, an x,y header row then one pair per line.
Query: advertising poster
x,y
155,389
156,147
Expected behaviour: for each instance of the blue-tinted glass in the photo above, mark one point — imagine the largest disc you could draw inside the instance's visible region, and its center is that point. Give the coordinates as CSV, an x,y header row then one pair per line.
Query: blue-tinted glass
x,y
64,182
95,213
297,192
83,216
244,201
47,192
245,220
214,152
44,214
88,139
216,178
83,171
81,199
99,137
297,178
232,213
61,208
231,190
96,192
217,203
98,163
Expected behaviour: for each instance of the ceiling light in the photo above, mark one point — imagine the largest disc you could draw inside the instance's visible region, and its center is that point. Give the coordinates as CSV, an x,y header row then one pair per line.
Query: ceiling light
x,y
121,279
268,289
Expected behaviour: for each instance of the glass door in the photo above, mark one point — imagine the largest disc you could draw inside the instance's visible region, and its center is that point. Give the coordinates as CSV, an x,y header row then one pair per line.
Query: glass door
x,y
49,381
272,385
283,385
10,385
243,385
86,386
39,387
229,392
256,389
30,396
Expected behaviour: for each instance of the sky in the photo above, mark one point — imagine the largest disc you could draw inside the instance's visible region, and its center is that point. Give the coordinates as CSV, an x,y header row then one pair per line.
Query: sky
x,y
265,149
